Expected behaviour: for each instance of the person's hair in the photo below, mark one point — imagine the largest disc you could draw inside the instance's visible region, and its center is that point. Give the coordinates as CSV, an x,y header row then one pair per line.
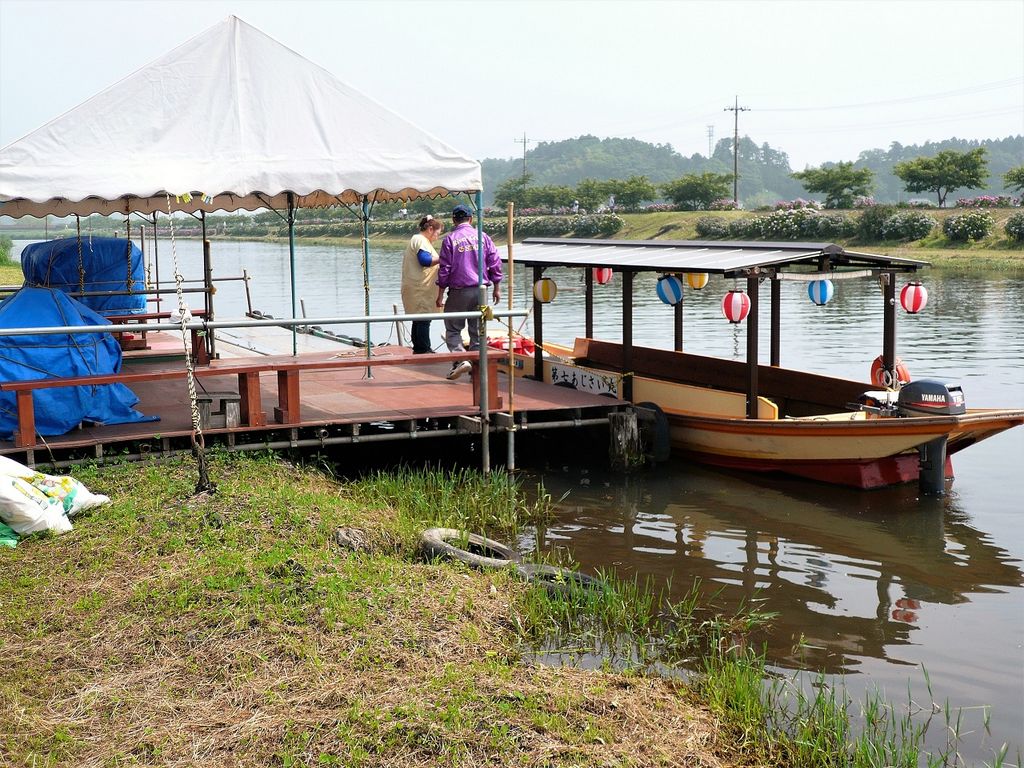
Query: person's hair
x,y
429,222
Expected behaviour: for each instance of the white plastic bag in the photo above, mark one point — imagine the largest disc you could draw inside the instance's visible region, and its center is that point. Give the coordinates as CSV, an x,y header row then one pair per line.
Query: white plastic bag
x,y
32,501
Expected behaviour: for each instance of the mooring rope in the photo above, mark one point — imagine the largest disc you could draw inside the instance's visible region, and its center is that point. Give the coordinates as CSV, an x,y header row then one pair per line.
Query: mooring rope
x,y
198,443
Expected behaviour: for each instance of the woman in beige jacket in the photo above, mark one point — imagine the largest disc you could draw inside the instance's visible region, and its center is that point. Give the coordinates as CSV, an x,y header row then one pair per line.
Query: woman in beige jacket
x,y
419,280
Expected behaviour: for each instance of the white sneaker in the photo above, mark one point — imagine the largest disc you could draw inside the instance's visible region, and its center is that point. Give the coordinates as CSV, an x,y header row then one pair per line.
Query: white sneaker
x,y
458,369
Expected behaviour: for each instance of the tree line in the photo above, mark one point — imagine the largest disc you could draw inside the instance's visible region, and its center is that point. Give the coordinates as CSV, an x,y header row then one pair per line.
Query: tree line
x,y
840,183
765,172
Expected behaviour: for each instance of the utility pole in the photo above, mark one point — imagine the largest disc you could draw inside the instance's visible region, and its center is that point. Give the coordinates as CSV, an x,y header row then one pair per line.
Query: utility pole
x,y
524,141
711,138
736,109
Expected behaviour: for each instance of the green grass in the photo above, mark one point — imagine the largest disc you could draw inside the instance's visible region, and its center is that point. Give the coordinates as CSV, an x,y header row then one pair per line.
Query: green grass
x,y
169,628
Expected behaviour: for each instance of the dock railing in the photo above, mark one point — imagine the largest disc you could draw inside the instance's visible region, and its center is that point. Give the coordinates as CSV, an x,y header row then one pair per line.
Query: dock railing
x,y
200,325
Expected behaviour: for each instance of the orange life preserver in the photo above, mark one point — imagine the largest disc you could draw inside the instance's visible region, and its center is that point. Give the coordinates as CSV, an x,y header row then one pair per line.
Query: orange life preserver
x,y
879,376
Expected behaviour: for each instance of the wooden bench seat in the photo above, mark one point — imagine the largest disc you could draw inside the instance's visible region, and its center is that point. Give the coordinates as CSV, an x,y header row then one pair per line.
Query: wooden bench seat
x,y
287,368
199,351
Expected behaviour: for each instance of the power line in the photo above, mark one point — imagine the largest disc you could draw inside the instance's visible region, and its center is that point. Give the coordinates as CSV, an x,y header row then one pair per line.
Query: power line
x,y
996,85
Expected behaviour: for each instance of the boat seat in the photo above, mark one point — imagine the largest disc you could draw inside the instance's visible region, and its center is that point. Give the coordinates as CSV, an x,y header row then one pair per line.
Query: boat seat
x,y
846,416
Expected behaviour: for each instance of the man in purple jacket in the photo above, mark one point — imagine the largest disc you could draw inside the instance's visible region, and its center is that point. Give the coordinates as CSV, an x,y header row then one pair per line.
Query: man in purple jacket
x,y
458,273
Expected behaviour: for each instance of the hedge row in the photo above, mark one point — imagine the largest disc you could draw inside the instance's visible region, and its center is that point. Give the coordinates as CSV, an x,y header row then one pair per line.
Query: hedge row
x,y
597,225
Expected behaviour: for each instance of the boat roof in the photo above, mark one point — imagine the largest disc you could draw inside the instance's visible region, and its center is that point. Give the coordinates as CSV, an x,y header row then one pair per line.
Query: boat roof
x,y
728,257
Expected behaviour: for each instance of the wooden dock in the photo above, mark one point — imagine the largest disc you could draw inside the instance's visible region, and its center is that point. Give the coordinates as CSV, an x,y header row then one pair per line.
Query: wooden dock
x,y
396,402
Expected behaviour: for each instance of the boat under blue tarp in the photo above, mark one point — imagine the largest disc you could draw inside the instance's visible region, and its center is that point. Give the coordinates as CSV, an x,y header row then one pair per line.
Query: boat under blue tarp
x,y
60,409
107,264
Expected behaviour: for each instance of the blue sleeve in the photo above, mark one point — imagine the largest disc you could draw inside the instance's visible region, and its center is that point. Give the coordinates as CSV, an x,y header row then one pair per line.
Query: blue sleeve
x,y
424,257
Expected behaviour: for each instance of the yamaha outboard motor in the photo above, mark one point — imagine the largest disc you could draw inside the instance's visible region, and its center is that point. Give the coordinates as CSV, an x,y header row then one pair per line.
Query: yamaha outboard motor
x,y
928,397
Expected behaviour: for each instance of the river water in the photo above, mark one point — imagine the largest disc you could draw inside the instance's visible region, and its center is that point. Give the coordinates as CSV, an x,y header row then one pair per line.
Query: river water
x,y
876,587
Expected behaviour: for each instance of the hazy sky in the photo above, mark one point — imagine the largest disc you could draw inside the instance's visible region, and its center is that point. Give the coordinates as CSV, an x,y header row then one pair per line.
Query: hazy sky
x,y
823,80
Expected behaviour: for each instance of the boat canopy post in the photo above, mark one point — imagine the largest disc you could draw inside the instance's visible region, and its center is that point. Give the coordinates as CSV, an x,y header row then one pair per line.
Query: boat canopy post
x,y
752,289
211,346
889,327
588,281
538,329
677,316
627,335
776,320
291,266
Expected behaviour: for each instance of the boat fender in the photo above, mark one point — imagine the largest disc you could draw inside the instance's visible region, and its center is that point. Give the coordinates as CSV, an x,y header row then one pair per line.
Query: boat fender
x,y
654,431
557,580
472,549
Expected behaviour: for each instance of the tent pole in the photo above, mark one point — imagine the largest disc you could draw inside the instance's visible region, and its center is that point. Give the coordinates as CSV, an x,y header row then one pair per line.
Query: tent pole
x,y
208,284
156,261
366,278
291,266
485,406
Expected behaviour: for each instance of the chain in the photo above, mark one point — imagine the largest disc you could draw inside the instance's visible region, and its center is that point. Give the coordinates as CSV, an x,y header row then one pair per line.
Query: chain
x,y
198,443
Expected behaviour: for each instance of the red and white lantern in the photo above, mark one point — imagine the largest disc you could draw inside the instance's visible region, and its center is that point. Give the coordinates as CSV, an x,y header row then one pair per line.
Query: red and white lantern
x,y
913,297
735,306
603,275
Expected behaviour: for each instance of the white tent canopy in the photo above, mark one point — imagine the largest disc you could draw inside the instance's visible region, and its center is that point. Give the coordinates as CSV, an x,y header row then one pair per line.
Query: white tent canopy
x,y
231,115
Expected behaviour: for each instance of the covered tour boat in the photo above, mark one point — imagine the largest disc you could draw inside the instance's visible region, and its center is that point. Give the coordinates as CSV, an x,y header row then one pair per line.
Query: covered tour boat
x,y
757,417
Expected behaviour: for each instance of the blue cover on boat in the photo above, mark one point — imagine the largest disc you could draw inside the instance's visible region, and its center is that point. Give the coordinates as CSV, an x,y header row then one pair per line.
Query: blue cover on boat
x,y
60,409
105,260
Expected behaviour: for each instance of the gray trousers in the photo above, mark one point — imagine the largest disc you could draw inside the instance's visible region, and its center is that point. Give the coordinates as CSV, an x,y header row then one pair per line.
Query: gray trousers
x,y
462,300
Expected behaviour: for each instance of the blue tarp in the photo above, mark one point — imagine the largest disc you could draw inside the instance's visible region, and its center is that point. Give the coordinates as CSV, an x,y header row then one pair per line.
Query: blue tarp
x,y
60,409
105,262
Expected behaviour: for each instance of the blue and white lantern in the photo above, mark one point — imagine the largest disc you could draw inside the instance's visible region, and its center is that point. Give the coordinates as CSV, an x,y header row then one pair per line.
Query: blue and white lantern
x,y
821,291
670,289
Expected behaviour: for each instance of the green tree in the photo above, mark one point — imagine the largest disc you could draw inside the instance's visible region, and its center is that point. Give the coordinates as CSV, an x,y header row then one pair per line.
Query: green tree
x,y
631,192
840,183
513,190
591,194
549,196
695,192
943,173
1014,179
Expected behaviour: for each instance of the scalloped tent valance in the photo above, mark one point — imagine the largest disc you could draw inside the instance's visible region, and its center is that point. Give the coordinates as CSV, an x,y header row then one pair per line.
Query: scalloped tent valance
x,y
229,120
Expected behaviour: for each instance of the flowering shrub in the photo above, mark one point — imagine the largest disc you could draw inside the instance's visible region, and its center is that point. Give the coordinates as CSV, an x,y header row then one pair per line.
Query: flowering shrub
x,y
788,224
830,226
964,227
907,225
658,208
986,201
869,225
591,226
747,228
712,227
1015,227
863,202
798,204
724,204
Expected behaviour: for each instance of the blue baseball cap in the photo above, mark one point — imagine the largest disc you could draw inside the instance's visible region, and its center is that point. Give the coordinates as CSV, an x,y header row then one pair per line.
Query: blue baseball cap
x,y
461,212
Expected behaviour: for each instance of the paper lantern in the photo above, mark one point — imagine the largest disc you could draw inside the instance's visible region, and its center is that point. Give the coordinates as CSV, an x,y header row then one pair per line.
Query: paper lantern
x,y
735,306
913,297
696,280
821,291
603,275
670,290
545,290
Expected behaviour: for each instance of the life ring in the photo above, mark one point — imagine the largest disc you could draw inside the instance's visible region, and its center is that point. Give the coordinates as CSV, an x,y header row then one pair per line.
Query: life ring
x,y
881,378
557,580
477,551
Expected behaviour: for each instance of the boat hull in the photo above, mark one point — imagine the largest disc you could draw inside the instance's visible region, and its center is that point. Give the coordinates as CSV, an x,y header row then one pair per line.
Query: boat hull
x,y
864,453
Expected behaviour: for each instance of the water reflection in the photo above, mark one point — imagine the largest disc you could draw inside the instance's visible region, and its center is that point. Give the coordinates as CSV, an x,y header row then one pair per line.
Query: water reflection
x,y
849,573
